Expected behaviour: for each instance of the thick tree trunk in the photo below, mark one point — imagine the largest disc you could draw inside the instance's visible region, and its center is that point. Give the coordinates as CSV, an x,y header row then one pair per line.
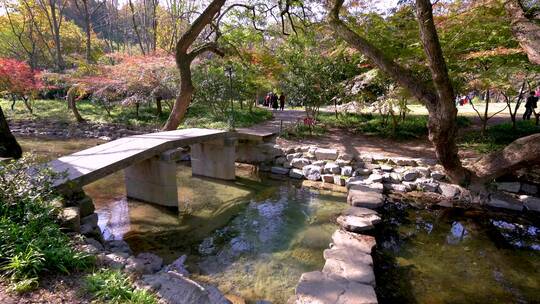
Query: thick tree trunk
x,y
184,97
159,107
184,59
72,104
526,31
88,31
522,153
56,33
442,116
9,147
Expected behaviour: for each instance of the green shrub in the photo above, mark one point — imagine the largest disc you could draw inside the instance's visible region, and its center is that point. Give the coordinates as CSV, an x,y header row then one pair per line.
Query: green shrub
x,y
414,126
31,242
497,136
303,131
112,286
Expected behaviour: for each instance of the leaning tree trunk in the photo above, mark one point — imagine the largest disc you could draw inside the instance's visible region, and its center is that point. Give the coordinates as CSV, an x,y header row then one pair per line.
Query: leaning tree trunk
x,y
439,102
526,31
184,59
72,103
9,147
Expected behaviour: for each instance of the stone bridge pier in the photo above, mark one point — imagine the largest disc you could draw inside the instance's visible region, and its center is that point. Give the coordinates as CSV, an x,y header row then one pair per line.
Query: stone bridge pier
x,y
154,180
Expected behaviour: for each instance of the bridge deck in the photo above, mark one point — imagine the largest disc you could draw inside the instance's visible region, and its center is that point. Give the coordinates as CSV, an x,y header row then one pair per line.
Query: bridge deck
x,y
89,165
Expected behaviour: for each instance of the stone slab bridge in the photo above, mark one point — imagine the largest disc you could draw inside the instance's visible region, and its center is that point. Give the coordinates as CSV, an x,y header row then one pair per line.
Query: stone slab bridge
x,y
149,161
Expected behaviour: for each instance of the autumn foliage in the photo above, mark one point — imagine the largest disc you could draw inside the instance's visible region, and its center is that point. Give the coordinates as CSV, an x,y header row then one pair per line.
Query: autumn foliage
x,y
18,79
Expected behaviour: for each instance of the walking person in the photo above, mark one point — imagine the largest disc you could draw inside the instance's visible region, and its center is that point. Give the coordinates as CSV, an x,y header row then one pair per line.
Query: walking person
x,y
530,105
266,100
274,101
282,101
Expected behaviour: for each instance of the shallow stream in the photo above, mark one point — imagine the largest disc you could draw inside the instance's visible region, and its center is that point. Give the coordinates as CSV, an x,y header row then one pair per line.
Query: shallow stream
x,y
254,238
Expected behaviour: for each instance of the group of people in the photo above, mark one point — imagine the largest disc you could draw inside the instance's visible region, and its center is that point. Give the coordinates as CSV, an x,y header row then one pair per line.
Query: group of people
x,y
531,104
272,100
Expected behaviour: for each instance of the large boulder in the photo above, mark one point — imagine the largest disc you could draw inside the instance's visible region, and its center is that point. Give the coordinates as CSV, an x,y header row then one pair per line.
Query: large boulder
x,y
279,170
86,206
312,172
332,168
323,288
326,154
499,200
327,178
410,175
144,263
174,288
70,219
529,189
346,171
300,163
513,187
296,173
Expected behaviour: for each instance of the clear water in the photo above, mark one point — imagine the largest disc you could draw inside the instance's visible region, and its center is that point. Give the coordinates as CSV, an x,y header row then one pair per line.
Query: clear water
x,y
457,256
254,237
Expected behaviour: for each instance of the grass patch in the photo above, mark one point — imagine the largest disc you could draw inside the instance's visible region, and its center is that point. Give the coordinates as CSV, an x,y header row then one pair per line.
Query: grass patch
x,y
31,242
302,131
414,126
498,136
197,116
112,286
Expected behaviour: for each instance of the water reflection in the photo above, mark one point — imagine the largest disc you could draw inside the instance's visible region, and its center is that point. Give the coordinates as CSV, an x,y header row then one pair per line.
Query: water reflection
x,y
457,233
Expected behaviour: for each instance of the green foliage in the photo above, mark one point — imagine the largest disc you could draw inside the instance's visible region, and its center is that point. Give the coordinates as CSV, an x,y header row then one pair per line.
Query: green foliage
x,y
31,242
112,286
197,115
302,131
310,78
414,126
498,136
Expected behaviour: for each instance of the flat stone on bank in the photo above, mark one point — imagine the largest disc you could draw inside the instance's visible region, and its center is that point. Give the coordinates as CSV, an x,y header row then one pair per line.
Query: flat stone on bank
x,y
326,154
322,288
279,170
512,187
505,202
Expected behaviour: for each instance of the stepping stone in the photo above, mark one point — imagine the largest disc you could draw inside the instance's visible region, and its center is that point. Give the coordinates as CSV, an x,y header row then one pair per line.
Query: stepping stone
x,y
358,211
357,243
362,196
322,288
357,267
358,223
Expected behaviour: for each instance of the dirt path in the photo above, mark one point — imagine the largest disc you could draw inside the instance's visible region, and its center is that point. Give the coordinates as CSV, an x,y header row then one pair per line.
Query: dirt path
x,y
349,142
281,119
